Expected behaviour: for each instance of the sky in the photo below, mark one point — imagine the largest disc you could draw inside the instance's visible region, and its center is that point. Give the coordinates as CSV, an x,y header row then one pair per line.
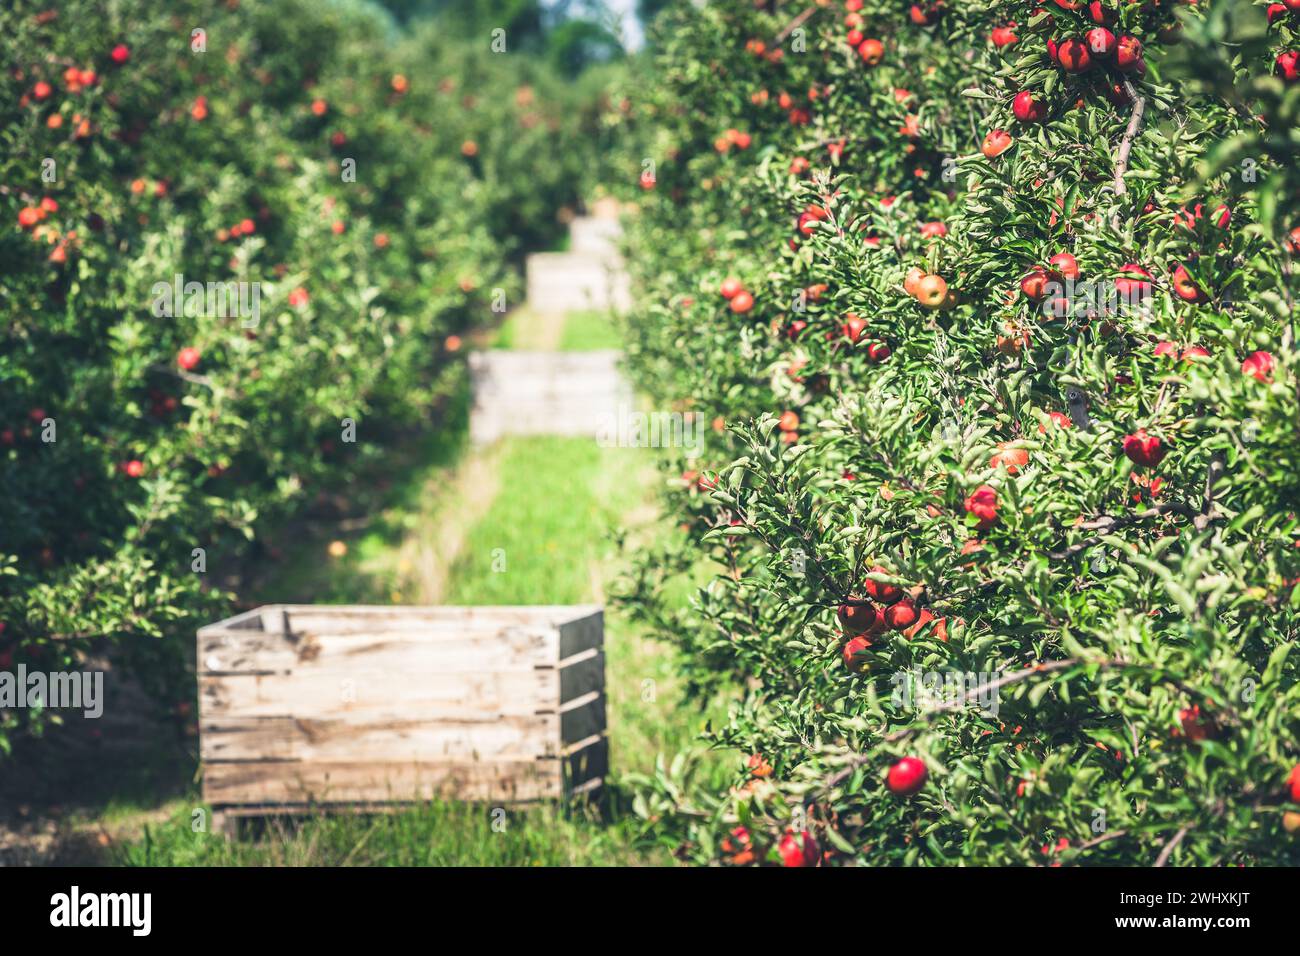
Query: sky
x,y
633,36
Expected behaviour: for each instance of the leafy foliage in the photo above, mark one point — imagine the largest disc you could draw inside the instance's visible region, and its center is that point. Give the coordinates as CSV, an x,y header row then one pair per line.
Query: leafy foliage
x,y
216,144
1079,477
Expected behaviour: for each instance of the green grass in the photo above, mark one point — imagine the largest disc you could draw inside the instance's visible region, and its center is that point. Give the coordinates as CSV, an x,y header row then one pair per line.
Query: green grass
x,y
434,834
539,542
589,331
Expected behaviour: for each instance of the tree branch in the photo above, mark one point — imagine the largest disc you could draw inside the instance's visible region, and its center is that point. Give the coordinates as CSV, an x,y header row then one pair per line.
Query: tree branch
x,y
1107,524
1126,144
793,25
1172,845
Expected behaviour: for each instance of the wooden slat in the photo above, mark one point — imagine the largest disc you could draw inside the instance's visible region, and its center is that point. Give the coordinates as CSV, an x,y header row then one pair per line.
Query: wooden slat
x,y
582,674
582,633
582,718
378,693
393,740
226,784
340,618
444,649
585,763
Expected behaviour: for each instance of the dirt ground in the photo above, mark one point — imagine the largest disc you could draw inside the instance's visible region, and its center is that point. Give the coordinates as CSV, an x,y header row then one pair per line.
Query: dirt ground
x,y
120,771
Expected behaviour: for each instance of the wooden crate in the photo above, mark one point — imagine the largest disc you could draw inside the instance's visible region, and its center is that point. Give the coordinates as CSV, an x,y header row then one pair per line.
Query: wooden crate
x,y
316,706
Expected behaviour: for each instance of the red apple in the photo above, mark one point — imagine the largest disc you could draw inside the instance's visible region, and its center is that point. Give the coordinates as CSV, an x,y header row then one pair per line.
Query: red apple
x,y
906,777
1027,109
1134,283
1073,56
1288,66
1004,36
1101,42
857,618
881,591
1185,286
852,648
996,143
902,615
800,850
1128,54
1143,449
1259,366
983,504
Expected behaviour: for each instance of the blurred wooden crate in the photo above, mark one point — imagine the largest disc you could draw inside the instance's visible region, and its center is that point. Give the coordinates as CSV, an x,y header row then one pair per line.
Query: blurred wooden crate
x,y
312,706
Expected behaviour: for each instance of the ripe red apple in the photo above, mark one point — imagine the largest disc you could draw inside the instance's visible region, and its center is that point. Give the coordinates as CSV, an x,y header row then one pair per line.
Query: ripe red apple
x,y
883,592
1059,419
1012,459
1097,10
188,357
1073,56
1101,42
983,504
133,468
1027,109
1193,726
931,291
996,143
854,327
1128,54
1294,780
902,615
1004,36
730,287
742,302
1065,265
852,648
927,15
878,351
906,777
120,54
1275,12
1134,283
912,281
854,38
1185,286
857,618
1288,66
1143,449
872,52
800,850
1035,284
1259,366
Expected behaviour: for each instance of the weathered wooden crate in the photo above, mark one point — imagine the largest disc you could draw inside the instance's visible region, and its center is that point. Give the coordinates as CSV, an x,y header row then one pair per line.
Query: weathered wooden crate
x,y
317,706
